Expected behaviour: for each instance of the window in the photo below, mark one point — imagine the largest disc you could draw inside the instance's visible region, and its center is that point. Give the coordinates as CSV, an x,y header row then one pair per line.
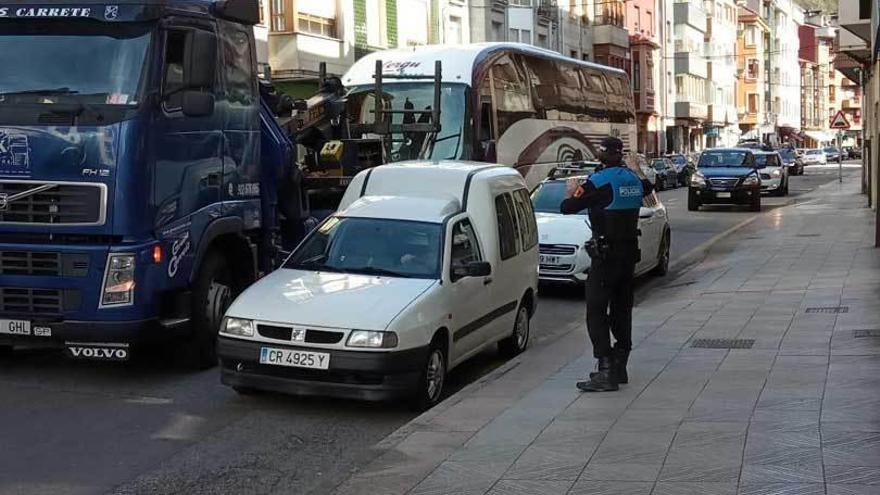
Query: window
x,y
511,93
453,30
528,228
497,29
173,83
751,35
375,26
514,35
508,231
831,93
525,36
573,54
637,71
753,68
239,68
542,40
312,24
465,247
753,103
650,29
279,15
638,18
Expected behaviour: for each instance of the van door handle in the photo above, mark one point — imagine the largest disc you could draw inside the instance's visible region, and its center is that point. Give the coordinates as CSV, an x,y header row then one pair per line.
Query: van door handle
x,y
487,280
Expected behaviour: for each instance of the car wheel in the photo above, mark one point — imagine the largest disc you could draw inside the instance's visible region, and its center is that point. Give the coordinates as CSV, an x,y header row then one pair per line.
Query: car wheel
x,y
519,338
693,201
662,267
755,204
211,296
429,389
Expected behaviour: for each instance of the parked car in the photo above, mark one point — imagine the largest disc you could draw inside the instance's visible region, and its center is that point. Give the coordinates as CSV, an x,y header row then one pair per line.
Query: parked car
x,y
667,176
814,157
831,153
683,166
647,171
727,176
792,161
773,172
423,266
562,237
851,152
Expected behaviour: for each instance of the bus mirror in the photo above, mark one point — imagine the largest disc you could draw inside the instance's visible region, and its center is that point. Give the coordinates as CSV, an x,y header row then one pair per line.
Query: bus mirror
x,y
200,60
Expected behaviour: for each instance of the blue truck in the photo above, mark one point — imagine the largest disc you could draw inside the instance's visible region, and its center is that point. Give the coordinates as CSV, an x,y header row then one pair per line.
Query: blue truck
x,y
140,171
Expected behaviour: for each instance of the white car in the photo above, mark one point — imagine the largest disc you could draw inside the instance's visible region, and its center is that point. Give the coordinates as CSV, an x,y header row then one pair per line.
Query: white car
x,y
562,237
423,266
814,157
773,172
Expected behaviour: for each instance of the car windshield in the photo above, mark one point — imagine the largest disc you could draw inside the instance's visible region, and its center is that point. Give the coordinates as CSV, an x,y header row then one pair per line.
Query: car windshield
x,y
726,158
814,152
788,154
371,246
678,160
547,197
658,164
49,62
830,150
766,160
448,144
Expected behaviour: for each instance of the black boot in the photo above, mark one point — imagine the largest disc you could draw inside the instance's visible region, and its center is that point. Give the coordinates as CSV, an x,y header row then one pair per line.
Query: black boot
x,y
620,358
602,380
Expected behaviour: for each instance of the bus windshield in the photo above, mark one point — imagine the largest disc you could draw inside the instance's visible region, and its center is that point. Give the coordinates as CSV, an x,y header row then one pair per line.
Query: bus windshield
x,y
47,62
449,143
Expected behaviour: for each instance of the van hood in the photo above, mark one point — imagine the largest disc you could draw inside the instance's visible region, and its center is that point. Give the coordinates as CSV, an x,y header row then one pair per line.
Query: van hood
x,y
328,299
556,228
710,172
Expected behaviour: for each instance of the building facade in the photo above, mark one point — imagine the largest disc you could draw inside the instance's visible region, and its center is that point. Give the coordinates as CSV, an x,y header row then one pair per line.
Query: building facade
x,y
816,37
641,22
575,20
721,127
752,34
691,71
783,69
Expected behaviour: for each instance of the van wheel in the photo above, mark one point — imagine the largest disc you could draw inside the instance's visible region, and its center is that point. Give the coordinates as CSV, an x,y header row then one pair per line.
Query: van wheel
x,y
429,389
693,201
212,294
519,338
755,205
662,267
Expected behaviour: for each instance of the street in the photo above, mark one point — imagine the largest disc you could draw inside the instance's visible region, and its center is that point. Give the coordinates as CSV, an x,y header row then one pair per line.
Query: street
x,y
82,428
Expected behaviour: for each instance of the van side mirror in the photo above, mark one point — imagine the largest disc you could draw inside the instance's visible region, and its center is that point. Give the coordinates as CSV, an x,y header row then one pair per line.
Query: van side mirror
x,y
200,60
479,269
197,103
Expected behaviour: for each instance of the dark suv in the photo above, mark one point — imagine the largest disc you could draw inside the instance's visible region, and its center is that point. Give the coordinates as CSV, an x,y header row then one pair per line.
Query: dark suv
x,y
725,175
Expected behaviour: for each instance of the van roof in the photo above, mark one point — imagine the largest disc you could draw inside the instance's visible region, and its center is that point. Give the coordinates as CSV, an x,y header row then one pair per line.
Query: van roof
x,y
432,210
457,61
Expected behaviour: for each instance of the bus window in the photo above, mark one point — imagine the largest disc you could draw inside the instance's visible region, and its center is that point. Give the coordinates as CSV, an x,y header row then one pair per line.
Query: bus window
x,y
596,99
510,93
557,89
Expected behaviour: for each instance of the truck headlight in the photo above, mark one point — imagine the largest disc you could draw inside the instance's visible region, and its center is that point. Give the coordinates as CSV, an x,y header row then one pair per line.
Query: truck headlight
x,y
366,338
751,180
118,287
697,179
239,327
776,173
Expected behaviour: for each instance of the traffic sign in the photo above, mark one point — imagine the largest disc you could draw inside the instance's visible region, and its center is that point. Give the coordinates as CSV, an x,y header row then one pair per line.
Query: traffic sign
x,y
839,121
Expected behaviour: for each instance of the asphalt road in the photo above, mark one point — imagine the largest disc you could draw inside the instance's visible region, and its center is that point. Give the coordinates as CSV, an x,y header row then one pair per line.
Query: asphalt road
x,y
74,428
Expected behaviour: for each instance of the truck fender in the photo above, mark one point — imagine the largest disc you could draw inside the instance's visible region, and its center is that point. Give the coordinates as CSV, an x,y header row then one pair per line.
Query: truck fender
x,y
232,226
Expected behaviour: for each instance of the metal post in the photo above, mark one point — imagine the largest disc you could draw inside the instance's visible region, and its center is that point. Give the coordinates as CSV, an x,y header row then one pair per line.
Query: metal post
x,y
839,158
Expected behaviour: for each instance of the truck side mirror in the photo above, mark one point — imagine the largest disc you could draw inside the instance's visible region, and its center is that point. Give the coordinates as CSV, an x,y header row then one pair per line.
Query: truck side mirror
x,y
200,60
197,103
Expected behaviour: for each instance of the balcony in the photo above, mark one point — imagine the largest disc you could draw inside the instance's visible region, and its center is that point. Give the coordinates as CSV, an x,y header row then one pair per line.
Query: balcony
x,y
293,55
690,14
855,20
690,110
689,63
609,34
851,103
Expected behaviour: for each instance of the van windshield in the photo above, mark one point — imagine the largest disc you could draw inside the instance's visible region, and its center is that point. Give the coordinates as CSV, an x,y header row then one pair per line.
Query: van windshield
x,y
448,145
371,246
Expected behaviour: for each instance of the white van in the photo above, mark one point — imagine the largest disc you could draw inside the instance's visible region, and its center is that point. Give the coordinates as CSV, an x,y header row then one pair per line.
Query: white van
x,y
423,266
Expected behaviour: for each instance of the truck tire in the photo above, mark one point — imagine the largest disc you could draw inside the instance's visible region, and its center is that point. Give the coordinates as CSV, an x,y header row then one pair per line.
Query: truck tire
x,y
693,201
212,293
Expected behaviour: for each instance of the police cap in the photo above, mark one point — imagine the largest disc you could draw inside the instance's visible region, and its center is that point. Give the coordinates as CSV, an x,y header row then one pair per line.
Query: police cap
x,y
612,144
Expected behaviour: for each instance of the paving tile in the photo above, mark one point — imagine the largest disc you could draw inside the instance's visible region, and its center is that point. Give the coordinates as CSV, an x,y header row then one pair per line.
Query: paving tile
x,y
701,470
860,475
589,487
782,489
542,463
834,489
530,487
808,472
596,470
854,448
694,488
456,478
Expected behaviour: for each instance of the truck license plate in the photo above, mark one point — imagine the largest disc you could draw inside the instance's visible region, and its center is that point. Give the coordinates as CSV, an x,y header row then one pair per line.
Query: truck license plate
x,y
296,359
15,327
548,260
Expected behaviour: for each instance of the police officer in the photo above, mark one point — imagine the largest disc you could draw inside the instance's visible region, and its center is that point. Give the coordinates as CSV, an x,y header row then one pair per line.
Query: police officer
x,y
613,196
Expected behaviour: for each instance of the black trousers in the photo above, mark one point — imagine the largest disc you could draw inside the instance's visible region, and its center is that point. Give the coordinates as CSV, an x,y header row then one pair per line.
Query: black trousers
x,y
610,301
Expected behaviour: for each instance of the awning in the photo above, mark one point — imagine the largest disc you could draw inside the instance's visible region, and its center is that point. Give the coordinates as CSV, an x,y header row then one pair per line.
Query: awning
x,y
821,136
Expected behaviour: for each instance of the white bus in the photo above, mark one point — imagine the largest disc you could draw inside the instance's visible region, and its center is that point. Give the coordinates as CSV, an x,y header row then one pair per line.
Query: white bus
x,y
506,103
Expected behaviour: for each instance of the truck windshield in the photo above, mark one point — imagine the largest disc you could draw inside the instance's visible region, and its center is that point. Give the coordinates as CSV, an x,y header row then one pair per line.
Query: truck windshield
x,y
84,62
448,144
726,158
371,246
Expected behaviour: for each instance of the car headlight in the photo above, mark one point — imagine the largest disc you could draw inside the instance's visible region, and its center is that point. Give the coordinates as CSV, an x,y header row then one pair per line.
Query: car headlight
x,y
367,338
697,179
237,326
776,173
751,180
118,289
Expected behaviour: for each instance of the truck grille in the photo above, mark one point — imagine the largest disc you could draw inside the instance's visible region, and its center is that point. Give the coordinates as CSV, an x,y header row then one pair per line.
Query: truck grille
x,y
49,203
731,182
31,301
559,249
43,263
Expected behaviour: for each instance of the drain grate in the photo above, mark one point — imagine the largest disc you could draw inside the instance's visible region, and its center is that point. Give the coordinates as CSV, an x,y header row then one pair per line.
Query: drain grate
x,y
832,310
723,343
863,334
808,235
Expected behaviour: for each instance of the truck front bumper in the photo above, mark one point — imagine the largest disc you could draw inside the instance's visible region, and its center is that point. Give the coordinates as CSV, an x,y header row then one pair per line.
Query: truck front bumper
x,y
46,333
372,376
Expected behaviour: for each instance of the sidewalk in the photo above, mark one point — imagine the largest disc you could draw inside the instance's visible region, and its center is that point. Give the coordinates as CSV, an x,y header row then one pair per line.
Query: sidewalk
x,y
797,412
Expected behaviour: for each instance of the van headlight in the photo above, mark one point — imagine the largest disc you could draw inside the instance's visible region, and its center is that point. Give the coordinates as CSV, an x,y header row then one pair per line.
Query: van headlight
x,y
751,180
372,339
118,289
239,327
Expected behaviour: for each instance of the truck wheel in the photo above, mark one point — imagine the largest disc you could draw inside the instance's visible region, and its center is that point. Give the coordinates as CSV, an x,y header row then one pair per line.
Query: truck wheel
x,y
519,337
211,296
693,201
429,389
755,205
